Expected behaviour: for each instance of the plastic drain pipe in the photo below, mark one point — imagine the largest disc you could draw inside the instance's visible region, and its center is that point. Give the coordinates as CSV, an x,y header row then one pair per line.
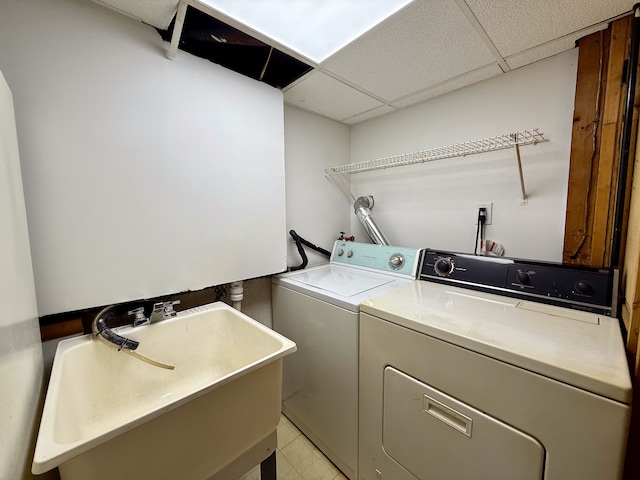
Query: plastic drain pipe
x,y
236,295
362,207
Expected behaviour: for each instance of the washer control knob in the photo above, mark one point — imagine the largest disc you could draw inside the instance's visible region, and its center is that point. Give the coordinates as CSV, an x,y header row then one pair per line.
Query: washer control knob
x,y
443,267
350,253
340,252
396,261
523,278
583,287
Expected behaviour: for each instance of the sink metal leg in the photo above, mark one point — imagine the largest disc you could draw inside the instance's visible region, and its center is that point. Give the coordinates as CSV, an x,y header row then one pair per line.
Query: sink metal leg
x,y
268,468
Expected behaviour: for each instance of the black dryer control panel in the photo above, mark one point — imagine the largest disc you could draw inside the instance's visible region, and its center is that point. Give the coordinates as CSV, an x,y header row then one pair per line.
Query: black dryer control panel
x,y
587,289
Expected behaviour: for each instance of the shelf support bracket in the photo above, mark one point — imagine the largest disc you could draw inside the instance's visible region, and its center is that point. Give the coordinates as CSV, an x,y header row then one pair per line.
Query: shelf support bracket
x,y
525,199
342,183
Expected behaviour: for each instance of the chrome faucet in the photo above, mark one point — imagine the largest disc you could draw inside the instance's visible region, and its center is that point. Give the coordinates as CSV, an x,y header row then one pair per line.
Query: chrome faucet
x,y
163,310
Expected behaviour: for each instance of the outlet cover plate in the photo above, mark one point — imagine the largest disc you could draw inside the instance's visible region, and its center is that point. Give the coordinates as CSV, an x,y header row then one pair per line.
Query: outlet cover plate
x,y
489,207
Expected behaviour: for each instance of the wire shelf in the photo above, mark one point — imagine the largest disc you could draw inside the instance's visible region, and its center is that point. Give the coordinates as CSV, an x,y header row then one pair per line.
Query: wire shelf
x,y
489,144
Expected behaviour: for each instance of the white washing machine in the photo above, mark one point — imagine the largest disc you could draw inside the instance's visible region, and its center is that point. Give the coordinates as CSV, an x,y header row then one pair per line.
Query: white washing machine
x,y
318,308
474,373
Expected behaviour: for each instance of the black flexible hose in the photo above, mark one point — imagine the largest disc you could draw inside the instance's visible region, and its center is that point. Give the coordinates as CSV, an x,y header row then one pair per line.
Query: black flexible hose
x,y
301,241
296,239
482,217
99,327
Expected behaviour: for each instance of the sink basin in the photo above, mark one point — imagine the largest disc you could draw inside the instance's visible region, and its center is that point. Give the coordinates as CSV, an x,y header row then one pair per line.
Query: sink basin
x,y
109,415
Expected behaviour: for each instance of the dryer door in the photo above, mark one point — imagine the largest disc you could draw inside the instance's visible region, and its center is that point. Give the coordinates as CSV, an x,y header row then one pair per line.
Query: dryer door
x,y
437,437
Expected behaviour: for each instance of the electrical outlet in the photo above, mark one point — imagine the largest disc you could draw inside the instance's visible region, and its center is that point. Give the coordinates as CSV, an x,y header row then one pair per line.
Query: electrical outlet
x,y
489,207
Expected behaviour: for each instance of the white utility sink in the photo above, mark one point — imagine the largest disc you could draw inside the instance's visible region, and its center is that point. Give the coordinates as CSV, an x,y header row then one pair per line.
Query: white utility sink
x,y
109,415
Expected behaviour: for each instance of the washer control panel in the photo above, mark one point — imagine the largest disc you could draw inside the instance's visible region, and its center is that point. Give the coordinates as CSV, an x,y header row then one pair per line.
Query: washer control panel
x,y
586,289
385,258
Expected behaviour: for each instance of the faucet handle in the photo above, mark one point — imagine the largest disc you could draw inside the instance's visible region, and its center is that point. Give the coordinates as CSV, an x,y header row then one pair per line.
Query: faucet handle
x,y
140,319
168,308
136,311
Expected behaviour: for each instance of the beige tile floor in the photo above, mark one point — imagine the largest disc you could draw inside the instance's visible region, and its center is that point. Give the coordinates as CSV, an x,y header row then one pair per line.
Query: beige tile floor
x,y
297,458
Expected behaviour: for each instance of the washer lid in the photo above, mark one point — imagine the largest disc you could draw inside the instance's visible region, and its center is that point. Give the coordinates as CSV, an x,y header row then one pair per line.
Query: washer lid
x,y
342,281
577,348
343,286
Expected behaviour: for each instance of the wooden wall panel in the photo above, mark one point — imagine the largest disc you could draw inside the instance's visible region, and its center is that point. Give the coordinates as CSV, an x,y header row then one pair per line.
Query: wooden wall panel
x,y
603,212
612,119
597,129
631,272
592,63
592,195
630,286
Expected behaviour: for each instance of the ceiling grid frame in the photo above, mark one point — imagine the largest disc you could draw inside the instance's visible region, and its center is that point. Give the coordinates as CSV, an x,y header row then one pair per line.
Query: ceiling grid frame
x,y
508,36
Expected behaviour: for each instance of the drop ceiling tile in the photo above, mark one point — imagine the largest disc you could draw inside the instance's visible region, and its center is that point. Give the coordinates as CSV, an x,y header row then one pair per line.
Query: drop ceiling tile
x,y
517,26
450,85
550,48
327,96
376,112
157,13
421,46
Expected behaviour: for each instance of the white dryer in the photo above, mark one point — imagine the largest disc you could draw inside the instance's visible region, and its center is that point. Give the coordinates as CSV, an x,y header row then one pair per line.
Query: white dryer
x,y
318,308
491,380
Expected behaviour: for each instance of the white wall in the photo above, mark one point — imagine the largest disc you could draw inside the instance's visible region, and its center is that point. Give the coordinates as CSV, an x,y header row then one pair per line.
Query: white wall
x,y
21,367
315,208
142,176
432,205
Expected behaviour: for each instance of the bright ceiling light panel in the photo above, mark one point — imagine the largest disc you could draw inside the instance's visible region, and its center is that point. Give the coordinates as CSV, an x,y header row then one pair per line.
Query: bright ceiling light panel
x,y
315,29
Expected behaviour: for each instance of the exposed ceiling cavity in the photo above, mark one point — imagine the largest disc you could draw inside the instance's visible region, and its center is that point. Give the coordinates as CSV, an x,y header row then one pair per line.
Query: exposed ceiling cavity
x,y
426,49
210,38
